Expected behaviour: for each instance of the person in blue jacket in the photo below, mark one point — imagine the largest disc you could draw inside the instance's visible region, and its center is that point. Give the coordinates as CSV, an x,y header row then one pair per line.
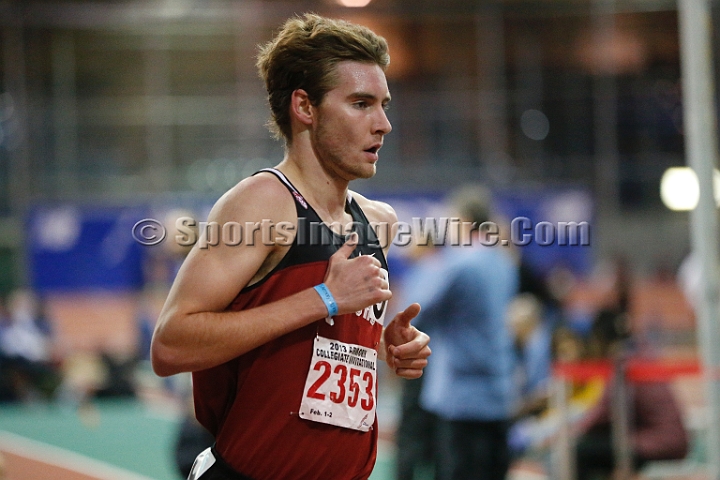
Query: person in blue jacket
x,y
469,385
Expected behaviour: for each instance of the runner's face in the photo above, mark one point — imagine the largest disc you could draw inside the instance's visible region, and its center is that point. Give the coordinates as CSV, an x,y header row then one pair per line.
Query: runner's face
x,y
351,121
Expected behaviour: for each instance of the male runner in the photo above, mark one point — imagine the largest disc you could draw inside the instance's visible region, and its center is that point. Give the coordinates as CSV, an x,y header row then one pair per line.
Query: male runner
x,y
283,336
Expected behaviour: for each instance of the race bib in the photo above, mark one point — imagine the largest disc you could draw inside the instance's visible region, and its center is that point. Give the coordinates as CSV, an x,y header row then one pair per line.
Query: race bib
x,y
341,385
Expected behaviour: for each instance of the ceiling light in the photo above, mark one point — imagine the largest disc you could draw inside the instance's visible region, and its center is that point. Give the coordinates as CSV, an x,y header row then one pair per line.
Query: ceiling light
x,y
354,3
679,188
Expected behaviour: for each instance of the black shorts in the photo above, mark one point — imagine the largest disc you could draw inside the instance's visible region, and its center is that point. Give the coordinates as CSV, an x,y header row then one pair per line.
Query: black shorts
x,y
219,470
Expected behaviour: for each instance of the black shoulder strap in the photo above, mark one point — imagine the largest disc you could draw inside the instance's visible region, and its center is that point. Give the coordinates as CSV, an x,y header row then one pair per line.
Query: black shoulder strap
x,y
370,240
281,176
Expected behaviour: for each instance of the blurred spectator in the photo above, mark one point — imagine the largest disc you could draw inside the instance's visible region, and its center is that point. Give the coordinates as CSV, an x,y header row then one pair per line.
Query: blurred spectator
x,y
532,349
119,376
149,304
106,373
569,347
689,277
161,264
160,268
543,291
531,282
26,348
657,431
532,340
656,426
560,281
416,449
83,375
469,382
612,321
27,333
7,390
536,434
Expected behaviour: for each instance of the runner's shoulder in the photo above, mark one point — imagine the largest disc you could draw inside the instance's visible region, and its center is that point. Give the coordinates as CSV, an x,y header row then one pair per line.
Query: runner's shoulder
x,y
375,210
255,198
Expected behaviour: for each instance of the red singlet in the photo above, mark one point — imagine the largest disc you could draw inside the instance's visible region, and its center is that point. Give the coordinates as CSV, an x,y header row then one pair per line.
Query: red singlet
x,y
250,404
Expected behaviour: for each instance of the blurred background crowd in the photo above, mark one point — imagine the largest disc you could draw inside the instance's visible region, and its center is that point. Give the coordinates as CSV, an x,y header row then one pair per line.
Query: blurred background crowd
x,y
566,111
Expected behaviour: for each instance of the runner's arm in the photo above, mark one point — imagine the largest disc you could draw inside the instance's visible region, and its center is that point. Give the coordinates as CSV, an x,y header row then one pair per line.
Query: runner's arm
x,y
196,332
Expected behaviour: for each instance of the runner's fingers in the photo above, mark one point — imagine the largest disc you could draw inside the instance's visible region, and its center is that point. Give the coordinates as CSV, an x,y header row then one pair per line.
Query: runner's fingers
x,y
378,279
415,348
369,260
410,364
409,373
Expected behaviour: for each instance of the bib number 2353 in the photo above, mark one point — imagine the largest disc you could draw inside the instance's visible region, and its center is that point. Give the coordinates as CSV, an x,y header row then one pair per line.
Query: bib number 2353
x,y
341,385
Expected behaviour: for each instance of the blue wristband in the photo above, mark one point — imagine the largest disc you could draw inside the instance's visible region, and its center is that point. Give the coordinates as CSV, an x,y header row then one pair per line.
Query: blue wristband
x,y
327,299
